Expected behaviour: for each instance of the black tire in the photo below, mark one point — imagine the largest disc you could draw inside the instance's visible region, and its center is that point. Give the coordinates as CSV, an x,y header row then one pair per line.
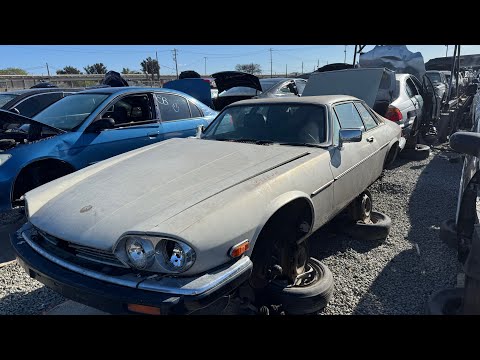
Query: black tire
x,y
420,152
375,231
391,156
448,233
303,300
446,302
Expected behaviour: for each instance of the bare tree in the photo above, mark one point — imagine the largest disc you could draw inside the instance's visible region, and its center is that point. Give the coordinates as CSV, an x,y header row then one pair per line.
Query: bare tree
x,y
249,68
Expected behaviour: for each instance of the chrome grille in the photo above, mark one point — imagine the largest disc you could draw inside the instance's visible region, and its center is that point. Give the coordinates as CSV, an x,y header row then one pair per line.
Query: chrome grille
x,y
66,250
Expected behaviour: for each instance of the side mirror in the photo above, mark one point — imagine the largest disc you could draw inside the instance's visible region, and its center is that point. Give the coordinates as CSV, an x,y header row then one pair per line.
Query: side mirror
x,y
100,124
15,111
200,131
466,143
471,89
350,135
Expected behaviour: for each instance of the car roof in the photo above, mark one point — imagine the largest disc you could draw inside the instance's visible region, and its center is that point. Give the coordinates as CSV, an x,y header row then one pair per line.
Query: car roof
x,y
39,91
312,100
127,89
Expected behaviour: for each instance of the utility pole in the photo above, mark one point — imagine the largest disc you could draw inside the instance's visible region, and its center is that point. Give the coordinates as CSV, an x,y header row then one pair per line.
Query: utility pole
x,y
286,70
205,66
175,59
318,64
345,58
158,73
48,70
446,52
302,67
271,63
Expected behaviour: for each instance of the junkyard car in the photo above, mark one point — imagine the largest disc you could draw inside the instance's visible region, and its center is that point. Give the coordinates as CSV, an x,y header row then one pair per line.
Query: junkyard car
x,y
86,127
175,225
31,101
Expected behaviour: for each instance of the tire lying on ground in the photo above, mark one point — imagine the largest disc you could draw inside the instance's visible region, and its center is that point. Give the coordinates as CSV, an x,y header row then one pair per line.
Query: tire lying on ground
x,y
420,152
446,302
308,299
376,229
448,233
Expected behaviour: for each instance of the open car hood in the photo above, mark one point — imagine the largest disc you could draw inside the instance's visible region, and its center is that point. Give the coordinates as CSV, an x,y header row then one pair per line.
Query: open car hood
x,y
9,119
229,79
197,88
365,84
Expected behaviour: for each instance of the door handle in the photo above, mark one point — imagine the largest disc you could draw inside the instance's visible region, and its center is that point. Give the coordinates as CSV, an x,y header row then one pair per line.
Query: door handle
x,y
370,139
153,134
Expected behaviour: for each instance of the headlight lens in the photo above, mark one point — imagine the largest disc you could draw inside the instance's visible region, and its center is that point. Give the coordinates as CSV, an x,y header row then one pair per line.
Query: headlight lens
x,y
177,256
140,252
4,158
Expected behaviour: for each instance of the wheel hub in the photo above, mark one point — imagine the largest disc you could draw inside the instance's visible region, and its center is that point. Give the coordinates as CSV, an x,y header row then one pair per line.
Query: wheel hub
x,y
366,207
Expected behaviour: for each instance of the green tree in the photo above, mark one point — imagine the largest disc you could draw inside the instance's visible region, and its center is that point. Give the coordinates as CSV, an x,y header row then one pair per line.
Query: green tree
x,y
249,68
128,71
97,68
150,67
13,71
68,70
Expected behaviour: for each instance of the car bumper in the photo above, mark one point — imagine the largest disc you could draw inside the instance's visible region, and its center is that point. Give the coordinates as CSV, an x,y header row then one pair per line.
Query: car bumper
x,y
170,295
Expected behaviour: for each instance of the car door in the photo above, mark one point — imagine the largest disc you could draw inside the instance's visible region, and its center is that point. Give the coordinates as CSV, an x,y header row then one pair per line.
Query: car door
x,y
418,99
180,116
414,96
352,164
136,125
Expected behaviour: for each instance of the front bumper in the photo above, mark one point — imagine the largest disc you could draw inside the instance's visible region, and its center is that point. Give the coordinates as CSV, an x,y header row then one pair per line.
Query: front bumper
x,y
170,295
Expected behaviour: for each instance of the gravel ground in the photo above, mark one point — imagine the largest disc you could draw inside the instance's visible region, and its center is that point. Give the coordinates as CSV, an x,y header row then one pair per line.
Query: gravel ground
x,y
395,277
398,276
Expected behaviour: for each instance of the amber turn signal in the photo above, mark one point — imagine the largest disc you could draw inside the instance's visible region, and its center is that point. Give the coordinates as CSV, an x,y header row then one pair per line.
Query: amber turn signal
x,y
239,249
143,309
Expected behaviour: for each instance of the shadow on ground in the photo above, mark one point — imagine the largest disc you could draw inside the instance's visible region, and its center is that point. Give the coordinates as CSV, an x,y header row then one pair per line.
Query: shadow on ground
x,y
34,302
404,285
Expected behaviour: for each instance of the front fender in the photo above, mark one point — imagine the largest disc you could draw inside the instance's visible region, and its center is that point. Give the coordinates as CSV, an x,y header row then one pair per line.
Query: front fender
x,y
277,204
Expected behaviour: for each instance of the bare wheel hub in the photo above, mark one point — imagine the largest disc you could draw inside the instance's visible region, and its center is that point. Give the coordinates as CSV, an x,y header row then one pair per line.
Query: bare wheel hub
x,y
366,207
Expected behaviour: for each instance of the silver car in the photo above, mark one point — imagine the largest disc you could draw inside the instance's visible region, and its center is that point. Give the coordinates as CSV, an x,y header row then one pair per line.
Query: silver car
x,y
172,227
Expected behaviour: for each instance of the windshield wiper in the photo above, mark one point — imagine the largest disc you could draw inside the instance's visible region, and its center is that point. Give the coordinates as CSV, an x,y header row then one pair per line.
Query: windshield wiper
x,y
302,144
255,141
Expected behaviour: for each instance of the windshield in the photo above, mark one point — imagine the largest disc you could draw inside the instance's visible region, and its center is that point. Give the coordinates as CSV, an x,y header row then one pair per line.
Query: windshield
x,y
282,123
70,112
434,77
266,84
5,98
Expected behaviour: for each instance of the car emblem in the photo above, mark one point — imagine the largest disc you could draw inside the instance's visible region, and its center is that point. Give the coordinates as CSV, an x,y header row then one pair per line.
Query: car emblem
x,y
86,208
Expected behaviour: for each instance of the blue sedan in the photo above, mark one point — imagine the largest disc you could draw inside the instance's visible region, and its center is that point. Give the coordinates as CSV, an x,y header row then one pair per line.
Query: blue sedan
x,y
87,127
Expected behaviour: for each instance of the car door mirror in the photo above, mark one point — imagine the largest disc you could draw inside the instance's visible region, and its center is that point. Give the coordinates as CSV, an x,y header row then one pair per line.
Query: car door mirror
x,y
350,135
293,88
200,131
15,111
466,143
100,125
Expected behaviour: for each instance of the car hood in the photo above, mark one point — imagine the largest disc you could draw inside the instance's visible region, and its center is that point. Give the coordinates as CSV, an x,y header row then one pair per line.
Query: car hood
x,y
139,190
228,79
9,118
365,84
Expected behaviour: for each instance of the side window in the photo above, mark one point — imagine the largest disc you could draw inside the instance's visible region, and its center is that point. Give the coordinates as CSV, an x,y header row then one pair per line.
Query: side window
x,y
33,105
131,109
195,110
410,87
348,116
336,129
367,118
172,107
300,86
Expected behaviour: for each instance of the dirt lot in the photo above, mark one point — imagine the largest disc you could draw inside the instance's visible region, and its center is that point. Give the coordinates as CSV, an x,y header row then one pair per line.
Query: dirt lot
x,y
394,277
